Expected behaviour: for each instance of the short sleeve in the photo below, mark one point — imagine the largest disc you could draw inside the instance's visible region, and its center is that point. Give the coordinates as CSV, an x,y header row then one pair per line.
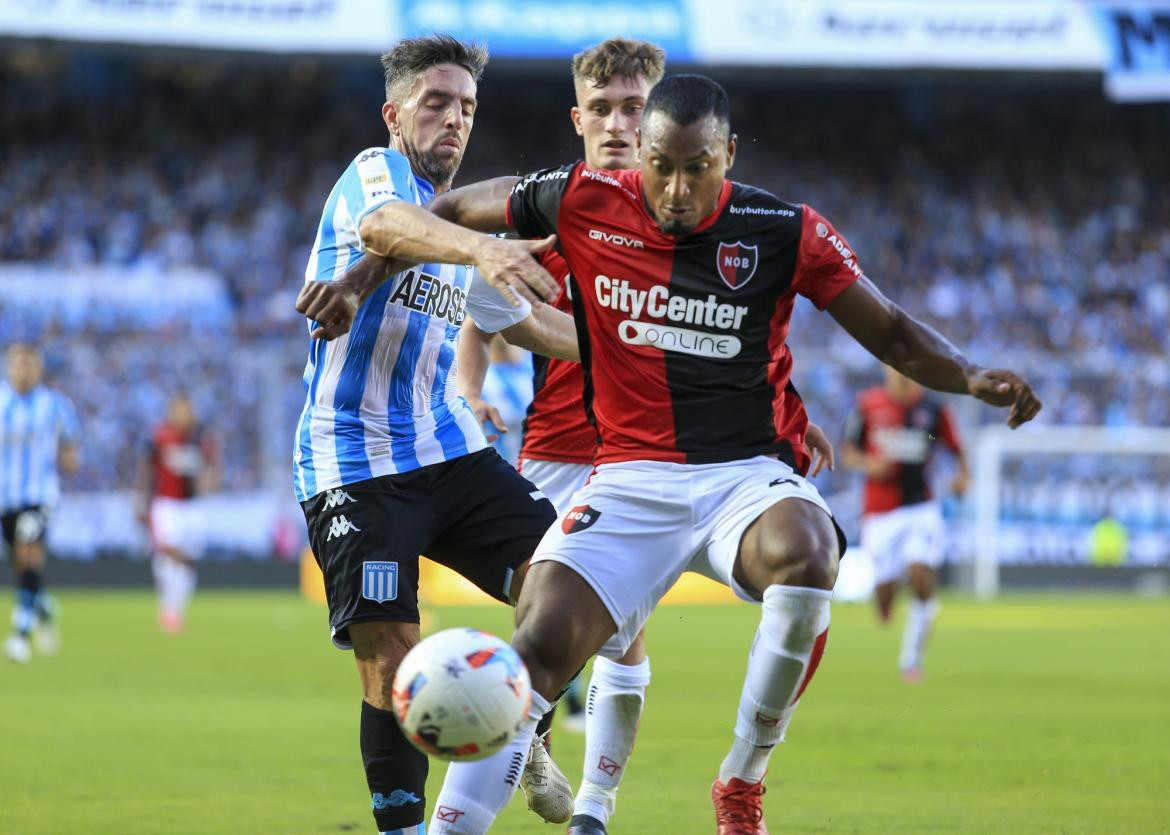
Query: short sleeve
x,y
948,433
490,311
825,264
535,201
376,177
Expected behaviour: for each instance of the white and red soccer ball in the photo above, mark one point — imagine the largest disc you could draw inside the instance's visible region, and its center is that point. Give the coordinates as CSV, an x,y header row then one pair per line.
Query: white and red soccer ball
x,y
461,694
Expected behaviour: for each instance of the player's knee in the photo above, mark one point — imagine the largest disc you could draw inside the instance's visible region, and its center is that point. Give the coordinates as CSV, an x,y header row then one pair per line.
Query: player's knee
x,y
547,658
805,556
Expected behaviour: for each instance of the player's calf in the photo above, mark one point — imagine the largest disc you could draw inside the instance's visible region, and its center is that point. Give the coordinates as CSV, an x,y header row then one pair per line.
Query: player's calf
x,y
396,771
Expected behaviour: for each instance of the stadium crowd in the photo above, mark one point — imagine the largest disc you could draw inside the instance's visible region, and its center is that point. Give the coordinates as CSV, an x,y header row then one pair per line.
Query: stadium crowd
x,y
1030,224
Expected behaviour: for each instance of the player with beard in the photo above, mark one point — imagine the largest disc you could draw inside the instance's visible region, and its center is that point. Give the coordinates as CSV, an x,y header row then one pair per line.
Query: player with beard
x,y
701,459
611,81
389,462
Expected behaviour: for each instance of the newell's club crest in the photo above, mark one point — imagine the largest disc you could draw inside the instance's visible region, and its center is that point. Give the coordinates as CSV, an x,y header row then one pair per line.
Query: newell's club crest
x,y
380,581
737,263
579,518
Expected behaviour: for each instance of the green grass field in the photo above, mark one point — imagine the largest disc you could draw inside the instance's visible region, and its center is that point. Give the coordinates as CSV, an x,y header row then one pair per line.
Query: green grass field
x,y
1038,714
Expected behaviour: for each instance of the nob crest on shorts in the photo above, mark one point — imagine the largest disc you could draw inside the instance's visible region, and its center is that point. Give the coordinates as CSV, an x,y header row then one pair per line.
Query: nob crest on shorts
x,y
579,518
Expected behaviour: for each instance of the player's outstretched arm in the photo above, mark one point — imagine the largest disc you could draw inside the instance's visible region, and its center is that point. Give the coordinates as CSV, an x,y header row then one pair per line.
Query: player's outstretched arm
x,y
477,206
924,355
402,230
546,331
334,304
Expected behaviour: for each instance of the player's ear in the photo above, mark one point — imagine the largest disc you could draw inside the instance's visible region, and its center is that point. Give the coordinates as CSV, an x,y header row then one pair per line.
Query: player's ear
x,y
575,115
731,151
390,117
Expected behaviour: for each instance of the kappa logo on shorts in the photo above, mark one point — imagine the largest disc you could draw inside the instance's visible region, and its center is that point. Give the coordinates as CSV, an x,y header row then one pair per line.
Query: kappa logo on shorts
x,y
380,581
340,526
579,518
333,498
778,481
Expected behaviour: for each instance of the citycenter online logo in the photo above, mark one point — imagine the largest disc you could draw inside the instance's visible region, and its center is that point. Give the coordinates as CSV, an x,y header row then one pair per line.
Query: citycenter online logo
x,y
658,303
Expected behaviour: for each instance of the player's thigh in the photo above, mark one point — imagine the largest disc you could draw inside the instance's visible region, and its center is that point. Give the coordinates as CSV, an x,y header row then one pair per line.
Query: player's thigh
x,y
30,529
366,538
378,649
768,526
489,521
561,622
628,535
558,480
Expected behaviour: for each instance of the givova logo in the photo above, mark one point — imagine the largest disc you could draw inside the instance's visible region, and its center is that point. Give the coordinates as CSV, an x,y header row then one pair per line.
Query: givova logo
x,y
579,518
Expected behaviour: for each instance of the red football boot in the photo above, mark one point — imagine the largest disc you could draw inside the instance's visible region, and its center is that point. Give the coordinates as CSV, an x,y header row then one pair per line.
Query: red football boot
x,y
739,807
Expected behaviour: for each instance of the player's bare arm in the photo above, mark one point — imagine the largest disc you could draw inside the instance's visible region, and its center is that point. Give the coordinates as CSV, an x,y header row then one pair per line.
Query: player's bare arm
x,y
546,331
924,355
334,304
401,230
473,356
820,448
479,206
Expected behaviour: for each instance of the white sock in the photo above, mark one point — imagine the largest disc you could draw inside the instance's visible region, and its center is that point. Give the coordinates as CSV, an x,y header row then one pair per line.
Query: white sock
x,y
920,616
791,621
613,709
175,582
474,793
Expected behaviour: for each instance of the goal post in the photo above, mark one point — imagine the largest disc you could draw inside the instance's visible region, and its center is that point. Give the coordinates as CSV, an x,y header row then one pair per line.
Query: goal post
x,y
995,444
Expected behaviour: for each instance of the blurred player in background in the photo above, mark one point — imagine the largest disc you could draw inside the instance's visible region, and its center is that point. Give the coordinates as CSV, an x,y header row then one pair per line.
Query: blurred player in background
x,y
611,81
389,461
181,462
38,439
891,437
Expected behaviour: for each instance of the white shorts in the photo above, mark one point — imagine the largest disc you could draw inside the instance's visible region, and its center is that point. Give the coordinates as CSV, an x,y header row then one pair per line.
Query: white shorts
x,y
638,525
175,523
558,480
910,534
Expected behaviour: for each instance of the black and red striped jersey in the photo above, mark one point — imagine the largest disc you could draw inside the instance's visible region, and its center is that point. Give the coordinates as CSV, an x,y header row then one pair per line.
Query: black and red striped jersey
x,y
683,338
556,427
905,433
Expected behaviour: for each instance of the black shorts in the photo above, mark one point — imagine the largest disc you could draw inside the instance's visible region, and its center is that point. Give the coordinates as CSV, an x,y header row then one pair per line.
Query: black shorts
x,y
26,524
474,514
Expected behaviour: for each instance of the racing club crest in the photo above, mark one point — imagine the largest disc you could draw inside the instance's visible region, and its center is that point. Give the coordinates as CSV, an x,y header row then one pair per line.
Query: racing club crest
x,y
737,263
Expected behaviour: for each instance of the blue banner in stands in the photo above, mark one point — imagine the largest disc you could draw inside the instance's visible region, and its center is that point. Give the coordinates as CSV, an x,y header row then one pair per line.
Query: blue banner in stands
x,y
548,28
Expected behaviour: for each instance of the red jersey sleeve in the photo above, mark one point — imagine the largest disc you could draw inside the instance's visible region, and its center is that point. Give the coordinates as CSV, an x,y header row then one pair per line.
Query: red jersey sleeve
x,y
948,433
825,263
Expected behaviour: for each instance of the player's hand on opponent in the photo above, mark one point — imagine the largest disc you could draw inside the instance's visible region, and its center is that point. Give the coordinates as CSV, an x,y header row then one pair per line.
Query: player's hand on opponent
x,y
959,484
1003,388
488,415
333,305
509,266
878,466
818,446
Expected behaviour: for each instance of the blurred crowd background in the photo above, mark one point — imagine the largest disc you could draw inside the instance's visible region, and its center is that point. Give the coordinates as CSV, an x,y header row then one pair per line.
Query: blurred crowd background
x,y
1028,221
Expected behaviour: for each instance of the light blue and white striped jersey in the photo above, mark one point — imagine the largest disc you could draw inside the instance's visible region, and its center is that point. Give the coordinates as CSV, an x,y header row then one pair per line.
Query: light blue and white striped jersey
x,y
382,398
32,427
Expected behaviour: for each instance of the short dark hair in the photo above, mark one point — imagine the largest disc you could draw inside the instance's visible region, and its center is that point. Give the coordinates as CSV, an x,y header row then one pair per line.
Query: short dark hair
x,y
411,57
619,57
686,98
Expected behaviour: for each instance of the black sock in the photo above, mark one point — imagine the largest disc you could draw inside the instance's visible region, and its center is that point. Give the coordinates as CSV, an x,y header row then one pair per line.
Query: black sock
x,y
396,771
30,581
545,723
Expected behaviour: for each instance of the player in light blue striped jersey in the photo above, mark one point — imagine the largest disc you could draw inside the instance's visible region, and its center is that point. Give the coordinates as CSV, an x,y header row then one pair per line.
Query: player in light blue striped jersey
x,y
38,438
389,460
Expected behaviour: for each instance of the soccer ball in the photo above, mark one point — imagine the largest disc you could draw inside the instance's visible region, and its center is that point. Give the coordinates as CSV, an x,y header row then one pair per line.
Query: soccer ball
x,y
461,694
